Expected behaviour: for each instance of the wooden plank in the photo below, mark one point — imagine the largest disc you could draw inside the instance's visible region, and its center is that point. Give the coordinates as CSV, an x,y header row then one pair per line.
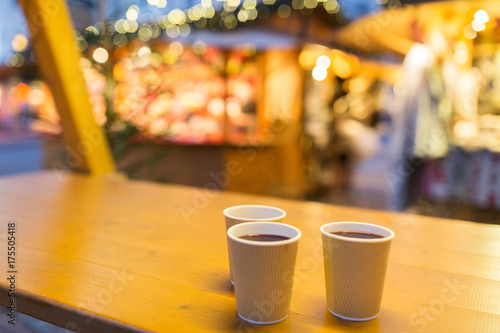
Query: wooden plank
x,y
58,60
125,252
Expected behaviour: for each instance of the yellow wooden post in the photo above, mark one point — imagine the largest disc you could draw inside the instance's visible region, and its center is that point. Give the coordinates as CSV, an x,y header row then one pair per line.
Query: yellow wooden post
x,y
52,40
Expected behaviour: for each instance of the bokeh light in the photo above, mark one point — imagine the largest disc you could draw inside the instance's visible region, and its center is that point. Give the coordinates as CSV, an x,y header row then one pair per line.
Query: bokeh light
x,y
120,40
100,55
19,43
310,4
469,33
176,48
145,33
319,73
284,11
481,16
184,29
15,60
242,15
194,13
131,26
230,21
119,26
332,6
177,16
132,13
478,26
323,61
249,4
252,13
298,4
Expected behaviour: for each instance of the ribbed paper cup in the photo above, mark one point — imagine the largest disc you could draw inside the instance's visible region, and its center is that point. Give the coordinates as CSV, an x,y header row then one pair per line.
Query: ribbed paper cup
x,y
247,213
263,271
355,269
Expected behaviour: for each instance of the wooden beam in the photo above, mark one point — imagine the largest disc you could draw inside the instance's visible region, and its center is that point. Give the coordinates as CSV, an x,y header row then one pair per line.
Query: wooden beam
x,y
58,59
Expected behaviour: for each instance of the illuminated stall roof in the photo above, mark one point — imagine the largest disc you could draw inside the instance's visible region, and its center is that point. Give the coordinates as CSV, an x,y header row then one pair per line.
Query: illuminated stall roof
x,y
397,28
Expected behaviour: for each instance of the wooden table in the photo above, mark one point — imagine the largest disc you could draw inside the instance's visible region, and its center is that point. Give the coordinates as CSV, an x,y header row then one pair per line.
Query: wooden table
x,y
112,255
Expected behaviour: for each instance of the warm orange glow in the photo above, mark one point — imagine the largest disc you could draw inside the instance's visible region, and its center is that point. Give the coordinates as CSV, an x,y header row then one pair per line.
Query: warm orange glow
x,y
22,92
341,64
307,59
37,96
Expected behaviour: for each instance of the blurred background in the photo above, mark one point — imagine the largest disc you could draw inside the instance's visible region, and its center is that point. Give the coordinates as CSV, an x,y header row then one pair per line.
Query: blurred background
x,y
391,105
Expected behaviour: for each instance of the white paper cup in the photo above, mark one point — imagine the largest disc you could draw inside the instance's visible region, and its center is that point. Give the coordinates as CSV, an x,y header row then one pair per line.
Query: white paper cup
x,y
355,269
263,271
247,213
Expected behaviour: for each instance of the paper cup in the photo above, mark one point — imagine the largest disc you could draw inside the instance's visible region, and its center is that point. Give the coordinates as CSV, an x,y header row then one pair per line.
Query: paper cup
x,y
355,269
246,213
263,271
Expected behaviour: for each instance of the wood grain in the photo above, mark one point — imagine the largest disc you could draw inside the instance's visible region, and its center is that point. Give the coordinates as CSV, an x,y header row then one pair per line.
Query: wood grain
x,y
115,255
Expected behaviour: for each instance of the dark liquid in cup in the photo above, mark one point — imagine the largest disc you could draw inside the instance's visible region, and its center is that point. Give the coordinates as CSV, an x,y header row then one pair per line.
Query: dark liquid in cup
x,y
356,234
264,237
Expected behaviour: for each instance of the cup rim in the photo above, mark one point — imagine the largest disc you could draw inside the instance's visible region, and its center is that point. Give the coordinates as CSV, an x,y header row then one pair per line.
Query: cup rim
x,y
387,233
281,216
260,243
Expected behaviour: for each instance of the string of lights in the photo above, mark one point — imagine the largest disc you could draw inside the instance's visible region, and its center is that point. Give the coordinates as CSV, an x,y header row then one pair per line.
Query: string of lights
x,y
177,23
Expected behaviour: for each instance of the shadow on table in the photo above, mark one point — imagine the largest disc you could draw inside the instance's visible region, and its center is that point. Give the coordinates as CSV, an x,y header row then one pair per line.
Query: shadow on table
x,y
223,286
